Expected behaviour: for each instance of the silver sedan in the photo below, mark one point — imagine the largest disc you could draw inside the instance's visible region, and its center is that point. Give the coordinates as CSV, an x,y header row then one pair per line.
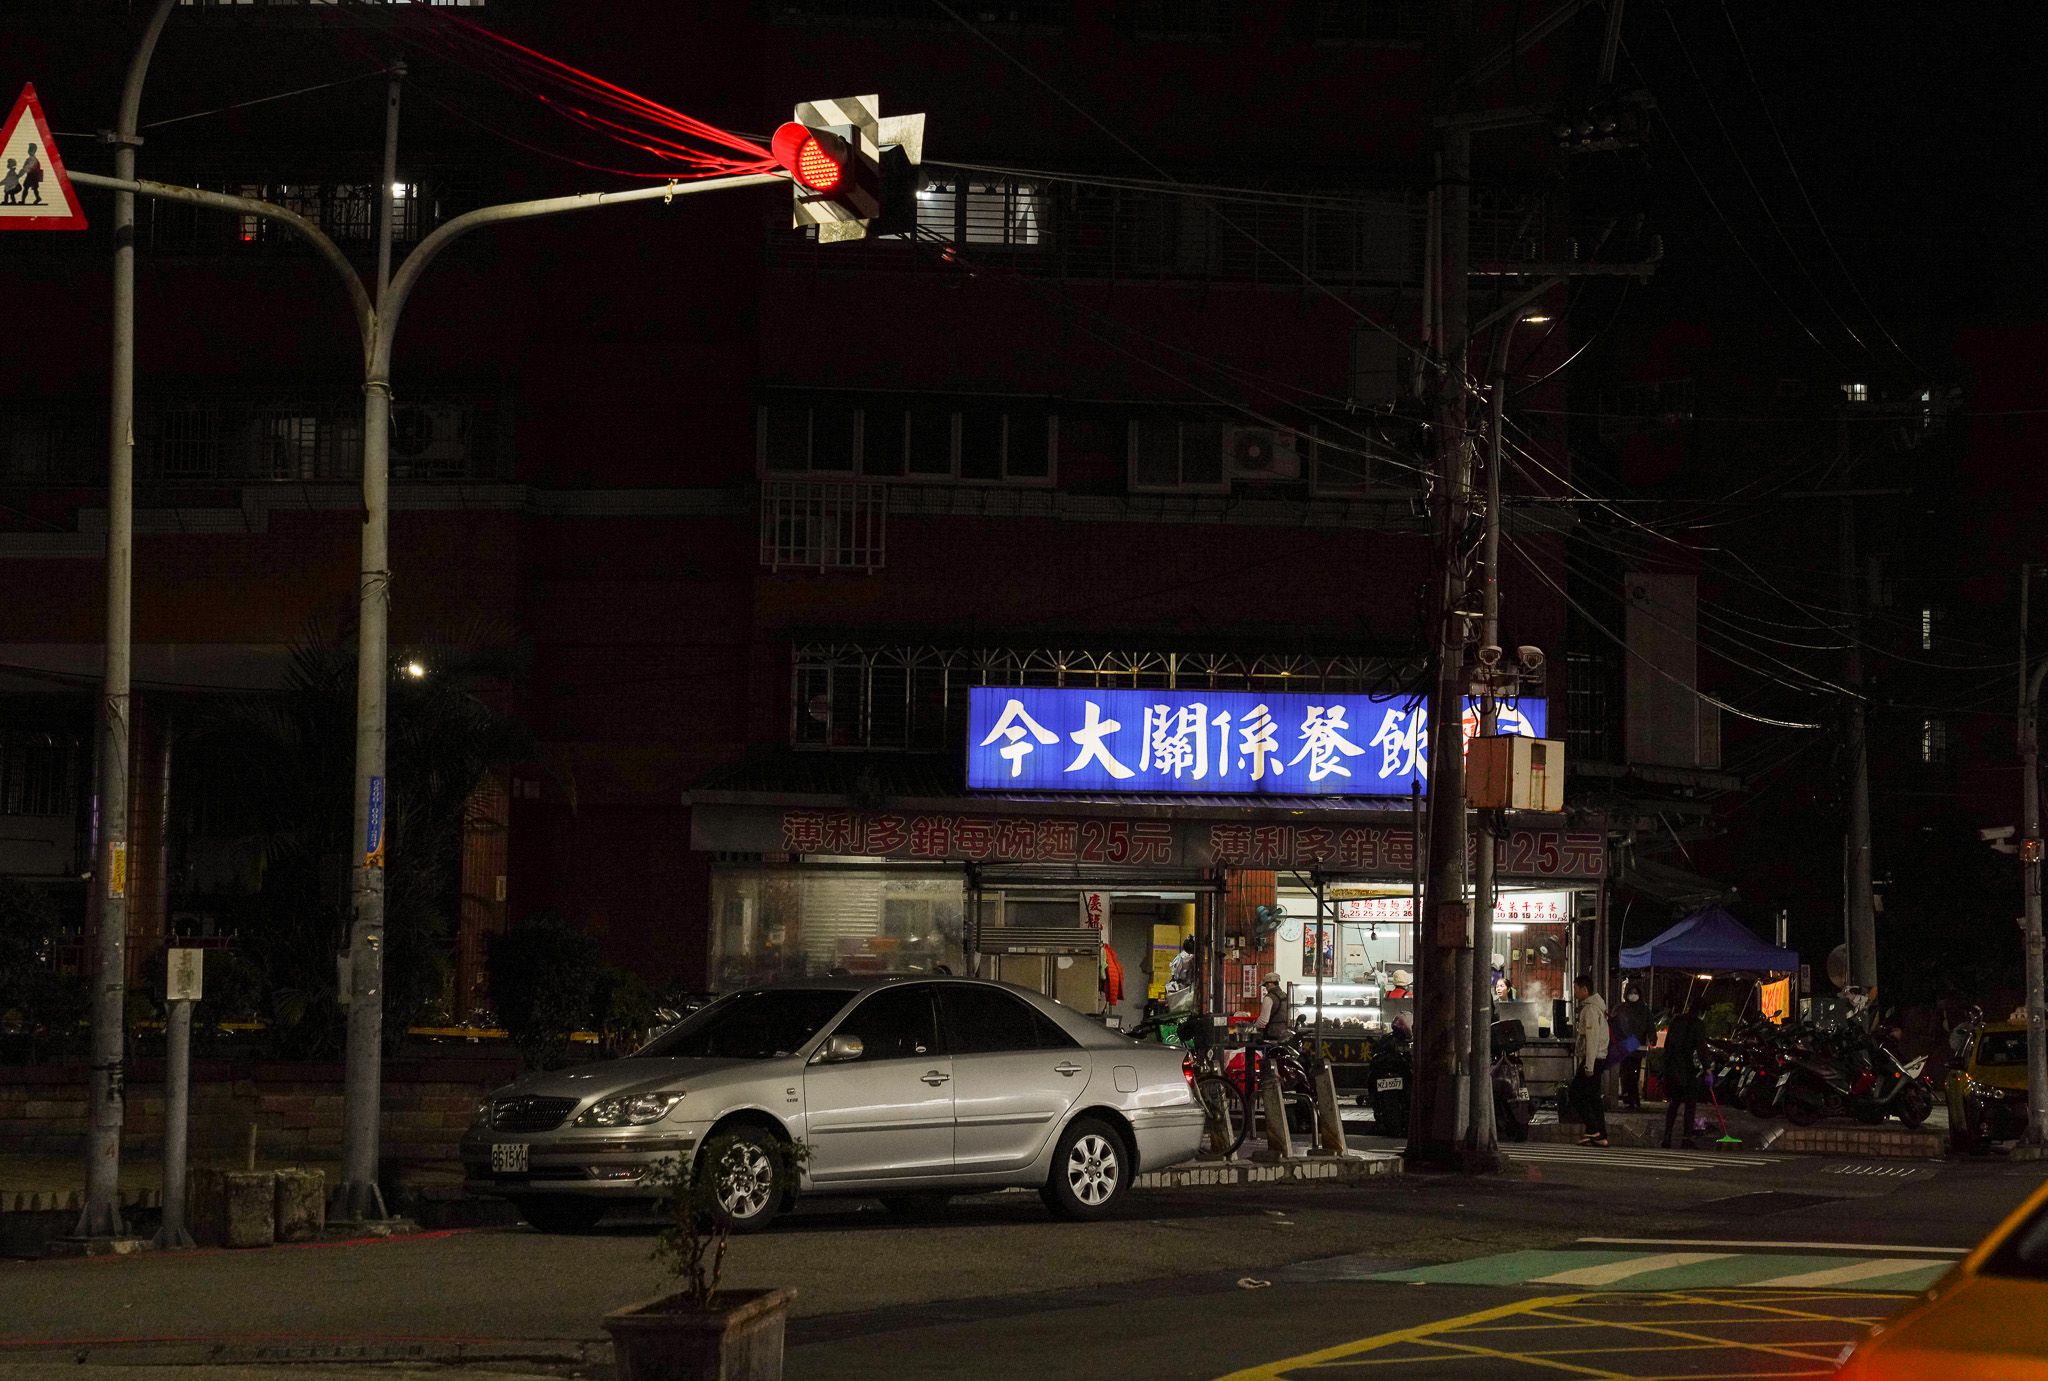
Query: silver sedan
x,y
908,1089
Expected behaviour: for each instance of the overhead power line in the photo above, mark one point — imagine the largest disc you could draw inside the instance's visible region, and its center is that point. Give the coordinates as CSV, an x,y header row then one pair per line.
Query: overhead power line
x,y
1804,196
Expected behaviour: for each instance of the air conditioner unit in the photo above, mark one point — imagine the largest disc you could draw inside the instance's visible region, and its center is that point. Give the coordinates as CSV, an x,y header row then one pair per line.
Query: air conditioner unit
x,y
429,439
1260,453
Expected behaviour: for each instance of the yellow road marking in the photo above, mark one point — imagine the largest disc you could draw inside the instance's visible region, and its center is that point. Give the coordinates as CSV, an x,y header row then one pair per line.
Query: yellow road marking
x,y
1703,1340
1542,1315
1274,1371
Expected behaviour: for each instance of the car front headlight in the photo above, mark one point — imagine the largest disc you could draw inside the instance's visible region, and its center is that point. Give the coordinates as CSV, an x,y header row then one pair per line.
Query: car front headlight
x,y
634,1111
483,1114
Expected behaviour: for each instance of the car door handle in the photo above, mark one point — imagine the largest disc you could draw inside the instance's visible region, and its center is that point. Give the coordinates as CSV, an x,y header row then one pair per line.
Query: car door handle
x,y
1069,1068
934,1077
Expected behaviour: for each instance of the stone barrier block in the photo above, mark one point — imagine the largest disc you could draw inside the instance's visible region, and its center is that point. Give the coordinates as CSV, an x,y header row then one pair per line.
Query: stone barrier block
x,y
301,1204
232,1208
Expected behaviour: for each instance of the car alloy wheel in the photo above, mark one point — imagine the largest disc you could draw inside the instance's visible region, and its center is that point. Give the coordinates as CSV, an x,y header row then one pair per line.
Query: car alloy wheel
x,y
1094,1169
746,1180
749,1168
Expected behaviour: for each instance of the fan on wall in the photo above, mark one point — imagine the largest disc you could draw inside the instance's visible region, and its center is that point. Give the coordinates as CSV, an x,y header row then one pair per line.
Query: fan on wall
x,y
1261,453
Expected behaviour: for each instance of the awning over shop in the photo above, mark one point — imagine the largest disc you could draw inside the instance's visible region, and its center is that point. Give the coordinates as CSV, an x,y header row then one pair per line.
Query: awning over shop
x,y
1713,941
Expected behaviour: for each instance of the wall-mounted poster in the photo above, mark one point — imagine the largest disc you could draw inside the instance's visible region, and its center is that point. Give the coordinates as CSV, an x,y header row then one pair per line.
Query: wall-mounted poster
x,y
1328,967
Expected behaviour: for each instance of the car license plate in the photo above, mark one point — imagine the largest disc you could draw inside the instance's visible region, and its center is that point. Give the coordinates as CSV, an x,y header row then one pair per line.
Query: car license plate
x,y
509,1158
1394,1083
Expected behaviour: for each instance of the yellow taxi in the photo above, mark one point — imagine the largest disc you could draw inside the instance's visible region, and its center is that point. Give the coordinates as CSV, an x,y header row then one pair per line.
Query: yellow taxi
x,y
1986,1320
1987,1087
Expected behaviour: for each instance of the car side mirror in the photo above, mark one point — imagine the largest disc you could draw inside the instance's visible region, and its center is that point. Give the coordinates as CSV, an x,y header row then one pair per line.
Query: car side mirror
x,y
839,1049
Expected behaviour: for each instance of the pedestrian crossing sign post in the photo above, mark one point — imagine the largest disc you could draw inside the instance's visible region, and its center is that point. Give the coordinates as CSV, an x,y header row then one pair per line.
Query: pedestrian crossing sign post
x,y
34,192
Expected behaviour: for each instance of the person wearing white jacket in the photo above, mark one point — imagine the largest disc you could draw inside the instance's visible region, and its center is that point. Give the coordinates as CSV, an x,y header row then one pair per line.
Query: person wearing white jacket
x,y
1590,1037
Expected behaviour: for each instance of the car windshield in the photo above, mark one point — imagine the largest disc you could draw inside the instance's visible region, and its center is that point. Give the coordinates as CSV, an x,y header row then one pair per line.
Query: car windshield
x,y
764,1024
2002,1048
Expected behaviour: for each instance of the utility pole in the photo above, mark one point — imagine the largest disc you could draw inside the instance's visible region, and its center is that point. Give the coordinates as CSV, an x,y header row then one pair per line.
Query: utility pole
x,y
1482,1143
2034,1145
1439,1092
1862,919
359,1196
101,1216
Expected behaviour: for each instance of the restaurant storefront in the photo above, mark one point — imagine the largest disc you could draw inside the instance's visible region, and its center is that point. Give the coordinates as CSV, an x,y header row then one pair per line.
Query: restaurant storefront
x,y
1068,854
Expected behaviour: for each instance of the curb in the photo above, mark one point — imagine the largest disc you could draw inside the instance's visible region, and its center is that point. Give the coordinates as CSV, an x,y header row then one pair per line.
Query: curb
x,y
1359,1165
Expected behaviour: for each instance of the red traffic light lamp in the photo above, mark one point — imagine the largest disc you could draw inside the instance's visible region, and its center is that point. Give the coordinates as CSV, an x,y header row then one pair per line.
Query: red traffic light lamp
x,y
834,153
817,159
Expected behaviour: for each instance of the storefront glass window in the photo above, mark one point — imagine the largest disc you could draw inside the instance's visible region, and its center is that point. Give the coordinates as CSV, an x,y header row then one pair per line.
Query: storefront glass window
x,y
776,923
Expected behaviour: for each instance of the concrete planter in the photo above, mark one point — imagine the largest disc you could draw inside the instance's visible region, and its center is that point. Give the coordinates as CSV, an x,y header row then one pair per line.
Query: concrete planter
x,y
737,1338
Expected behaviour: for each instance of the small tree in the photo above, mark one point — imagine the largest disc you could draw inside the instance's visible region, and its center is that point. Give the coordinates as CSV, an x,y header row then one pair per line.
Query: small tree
x,y
691,1248
548,980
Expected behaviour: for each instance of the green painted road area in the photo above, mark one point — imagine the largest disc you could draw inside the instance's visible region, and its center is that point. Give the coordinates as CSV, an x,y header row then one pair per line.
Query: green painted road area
x,y
1692,1269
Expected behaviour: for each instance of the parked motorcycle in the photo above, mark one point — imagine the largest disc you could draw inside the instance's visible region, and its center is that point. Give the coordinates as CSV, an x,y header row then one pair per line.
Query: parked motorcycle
x,y
1852,1075
1287,1061
1389,1081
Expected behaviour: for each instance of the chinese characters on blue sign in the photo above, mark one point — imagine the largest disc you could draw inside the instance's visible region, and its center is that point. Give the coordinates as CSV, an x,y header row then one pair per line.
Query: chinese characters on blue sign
x,y
1237,742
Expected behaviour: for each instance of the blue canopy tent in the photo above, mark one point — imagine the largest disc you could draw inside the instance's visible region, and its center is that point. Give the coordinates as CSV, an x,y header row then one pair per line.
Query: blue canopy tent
x,y
1710,940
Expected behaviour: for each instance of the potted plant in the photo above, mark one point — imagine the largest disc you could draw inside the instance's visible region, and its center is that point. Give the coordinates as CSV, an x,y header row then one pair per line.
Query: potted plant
x,y
698,1332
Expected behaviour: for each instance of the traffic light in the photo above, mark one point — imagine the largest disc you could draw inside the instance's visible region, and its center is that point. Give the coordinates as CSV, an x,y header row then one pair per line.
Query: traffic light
x,y
853,173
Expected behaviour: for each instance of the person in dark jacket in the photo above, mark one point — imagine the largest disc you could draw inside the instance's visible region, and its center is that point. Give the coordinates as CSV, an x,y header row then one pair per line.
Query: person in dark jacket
x,y
1631,1021
1685,1068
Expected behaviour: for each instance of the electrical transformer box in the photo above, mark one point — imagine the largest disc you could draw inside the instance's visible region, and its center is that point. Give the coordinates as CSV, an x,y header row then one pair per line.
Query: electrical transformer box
x,y
1511,772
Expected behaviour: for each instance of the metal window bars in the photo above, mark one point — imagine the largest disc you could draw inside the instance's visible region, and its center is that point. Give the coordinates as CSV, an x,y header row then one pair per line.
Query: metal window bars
x,y
823,526
903,697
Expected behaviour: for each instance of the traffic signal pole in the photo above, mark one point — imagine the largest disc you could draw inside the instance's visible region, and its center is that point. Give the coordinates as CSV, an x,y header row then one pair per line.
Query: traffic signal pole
x,y
358,1196
377,325
101,1215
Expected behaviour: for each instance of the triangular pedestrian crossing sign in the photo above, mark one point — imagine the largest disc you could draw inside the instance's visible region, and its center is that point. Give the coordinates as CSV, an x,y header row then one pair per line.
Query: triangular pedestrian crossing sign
x,y
34,192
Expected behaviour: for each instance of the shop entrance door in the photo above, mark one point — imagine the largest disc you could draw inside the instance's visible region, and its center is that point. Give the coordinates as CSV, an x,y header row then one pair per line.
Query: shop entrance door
x,y
889,1114
1015,1075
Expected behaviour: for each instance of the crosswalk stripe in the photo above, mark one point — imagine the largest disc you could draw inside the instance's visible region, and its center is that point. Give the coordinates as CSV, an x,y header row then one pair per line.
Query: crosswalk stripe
x,y
1862,1270
1609,1272
1669,1270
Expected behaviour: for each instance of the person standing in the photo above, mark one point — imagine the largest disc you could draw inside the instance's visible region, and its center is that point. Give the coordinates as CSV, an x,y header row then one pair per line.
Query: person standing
x,y
1590,1038
1685,1068
1631,1024
1276,1013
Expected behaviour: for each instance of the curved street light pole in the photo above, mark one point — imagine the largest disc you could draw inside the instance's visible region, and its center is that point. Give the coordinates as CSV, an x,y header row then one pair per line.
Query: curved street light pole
x,y
377,324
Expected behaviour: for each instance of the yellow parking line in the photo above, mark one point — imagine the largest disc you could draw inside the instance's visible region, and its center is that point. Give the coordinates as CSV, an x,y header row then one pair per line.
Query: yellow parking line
x,y
1548,1315
1700,1339
1419,1333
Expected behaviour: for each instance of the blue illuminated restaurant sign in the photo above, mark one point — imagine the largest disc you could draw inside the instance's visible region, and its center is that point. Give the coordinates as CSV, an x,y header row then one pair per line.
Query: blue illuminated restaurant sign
x,y
1246,743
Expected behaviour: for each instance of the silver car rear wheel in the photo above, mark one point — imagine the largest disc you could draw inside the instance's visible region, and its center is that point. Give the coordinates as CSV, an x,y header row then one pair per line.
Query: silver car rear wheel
x,y
1091,1171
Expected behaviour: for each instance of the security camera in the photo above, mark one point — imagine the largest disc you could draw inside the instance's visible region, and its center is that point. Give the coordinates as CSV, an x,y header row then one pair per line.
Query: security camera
x,y
1489,655
1530,657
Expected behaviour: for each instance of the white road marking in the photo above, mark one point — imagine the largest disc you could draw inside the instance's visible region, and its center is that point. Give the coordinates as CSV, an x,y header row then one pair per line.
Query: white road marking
x,y
1843,1275
1798,1246
1622,1270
